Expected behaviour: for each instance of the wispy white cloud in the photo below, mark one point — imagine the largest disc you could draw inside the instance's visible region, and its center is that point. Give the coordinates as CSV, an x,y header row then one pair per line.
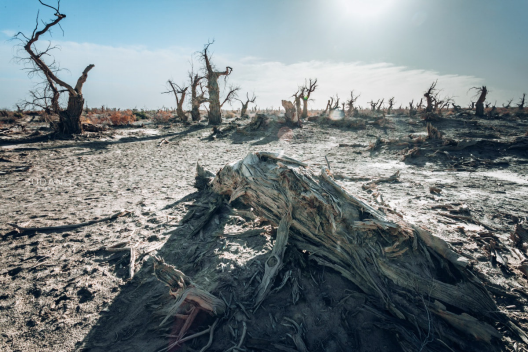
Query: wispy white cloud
x,y
136,76
8,32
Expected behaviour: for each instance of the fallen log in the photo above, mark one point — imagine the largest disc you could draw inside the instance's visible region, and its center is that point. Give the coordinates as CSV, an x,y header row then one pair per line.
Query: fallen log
x,y
21,229
403,269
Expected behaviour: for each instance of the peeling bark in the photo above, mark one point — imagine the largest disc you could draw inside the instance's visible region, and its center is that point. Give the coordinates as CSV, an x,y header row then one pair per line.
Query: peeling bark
x,y
215,112
404,269
289,115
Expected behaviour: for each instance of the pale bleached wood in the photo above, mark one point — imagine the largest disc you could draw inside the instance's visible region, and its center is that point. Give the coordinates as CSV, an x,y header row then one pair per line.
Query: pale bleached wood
x,y
389,259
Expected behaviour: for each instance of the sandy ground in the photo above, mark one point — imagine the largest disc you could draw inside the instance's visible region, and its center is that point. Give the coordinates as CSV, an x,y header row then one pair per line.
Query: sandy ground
x,y
61,292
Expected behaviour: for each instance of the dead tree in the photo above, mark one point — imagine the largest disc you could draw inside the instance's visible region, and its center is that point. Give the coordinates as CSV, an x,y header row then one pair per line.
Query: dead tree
x,y
457,108
412,110
444,104
196,99
307,90
215,107
378,108
391,104
334,104
429,96
483,91
350,104
297,98
179,94
521,103
69,118
373,105
437,102
420,104
243,111
290,114
409,275
507,106
325,111
433,132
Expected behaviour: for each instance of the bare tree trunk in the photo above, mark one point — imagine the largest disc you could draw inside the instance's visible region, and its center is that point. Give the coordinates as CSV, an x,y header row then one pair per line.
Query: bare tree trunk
x,y
480,102
243,111
351,109
215,108
196,100
304,113
306,91
298,105
179,110
378,109
289,115
521,103
429,97
70,119
391,104
215,112
328,104
176,89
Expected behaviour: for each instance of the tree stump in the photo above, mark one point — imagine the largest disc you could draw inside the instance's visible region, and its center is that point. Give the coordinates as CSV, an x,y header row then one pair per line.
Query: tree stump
x,y
405,270
290,115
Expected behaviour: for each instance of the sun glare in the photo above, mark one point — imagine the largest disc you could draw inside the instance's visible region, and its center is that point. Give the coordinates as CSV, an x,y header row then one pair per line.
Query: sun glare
x,y
365,8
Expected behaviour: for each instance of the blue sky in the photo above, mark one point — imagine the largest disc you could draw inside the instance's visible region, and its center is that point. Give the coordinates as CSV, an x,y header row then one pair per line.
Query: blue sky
x,y
380,48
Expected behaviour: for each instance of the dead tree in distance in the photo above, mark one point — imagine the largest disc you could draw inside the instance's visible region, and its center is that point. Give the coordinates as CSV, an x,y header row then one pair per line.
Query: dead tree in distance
x,y
334,104
444,104
297,98
243,111
378,108
289,113
521,103
196,99
328,104
215,107
391,104
429,96
350,103
373,105
308,89
420,104
69,118
507,106
483,91
412,110
179,94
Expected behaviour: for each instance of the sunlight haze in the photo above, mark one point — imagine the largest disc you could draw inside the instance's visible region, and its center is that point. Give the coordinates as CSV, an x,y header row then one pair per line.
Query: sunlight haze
x,y
273,46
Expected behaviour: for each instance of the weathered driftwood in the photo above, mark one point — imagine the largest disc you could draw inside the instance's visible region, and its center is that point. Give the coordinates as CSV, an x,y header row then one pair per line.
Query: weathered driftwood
x,y
290,115
132,250
402,268
274,263
185,291
373,183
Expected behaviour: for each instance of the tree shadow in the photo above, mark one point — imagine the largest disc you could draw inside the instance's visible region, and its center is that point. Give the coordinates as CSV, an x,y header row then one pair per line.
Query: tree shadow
x,y
131,322
101,145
